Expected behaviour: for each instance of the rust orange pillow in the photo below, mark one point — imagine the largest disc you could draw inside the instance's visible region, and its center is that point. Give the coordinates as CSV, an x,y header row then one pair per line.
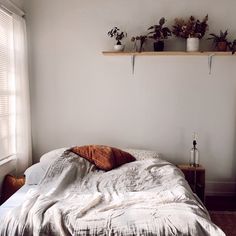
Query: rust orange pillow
x,y
10,185
104,157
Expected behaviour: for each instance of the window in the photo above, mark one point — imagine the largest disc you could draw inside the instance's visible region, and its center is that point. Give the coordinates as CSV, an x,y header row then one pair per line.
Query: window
x,y
7,87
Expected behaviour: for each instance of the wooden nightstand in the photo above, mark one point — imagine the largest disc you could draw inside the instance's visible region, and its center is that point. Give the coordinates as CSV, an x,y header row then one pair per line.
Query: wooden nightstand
x,y
196,179
10,185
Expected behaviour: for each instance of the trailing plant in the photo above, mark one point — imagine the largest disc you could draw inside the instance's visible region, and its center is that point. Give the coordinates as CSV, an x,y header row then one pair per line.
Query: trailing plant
x,y
192,27
158,32
222,37
117,34
142,39
232,46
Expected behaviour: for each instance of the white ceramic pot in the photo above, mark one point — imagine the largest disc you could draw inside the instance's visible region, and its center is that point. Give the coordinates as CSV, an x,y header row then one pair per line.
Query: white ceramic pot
x,y
119,48
192,45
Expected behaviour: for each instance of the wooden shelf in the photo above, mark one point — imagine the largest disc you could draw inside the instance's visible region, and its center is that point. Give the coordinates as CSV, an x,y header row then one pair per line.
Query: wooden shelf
x,y
133,55
167,53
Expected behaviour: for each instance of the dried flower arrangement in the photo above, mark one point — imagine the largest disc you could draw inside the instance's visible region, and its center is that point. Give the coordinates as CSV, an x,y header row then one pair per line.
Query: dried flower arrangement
x,y
192,28
142,39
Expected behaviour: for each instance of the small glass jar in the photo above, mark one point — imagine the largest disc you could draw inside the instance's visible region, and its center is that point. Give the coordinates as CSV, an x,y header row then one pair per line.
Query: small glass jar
x,y
194,157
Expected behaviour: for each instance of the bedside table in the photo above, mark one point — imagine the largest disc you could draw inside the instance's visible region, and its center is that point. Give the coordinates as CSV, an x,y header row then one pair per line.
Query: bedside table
x,y
10,185
196,179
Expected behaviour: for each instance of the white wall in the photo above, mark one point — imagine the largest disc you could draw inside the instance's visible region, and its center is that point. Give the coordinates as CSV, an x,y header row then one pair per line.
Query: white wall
x,y
81,97
18,3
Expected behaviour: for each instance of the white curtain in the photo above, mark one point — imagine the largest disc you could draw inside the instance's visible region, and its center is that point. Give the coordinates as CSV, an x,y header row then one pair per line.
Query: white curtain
x,y
23,123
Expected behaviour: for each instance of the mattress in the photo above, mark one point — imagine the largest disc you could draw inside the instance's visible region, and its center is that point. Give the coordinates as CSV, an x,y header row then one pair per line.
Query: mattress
x,y
15,200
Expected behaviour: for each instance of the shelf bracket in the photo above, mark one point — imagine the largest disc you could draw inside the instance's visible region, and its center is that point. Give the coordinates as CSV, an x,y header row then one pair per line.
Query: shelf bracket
x,y
210,58
133,63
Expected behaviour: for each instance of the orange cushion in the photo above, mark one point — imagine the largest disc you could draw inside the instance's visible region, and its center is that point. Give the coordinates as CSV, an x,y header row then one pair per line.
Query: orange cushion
x,y
10,185
104,157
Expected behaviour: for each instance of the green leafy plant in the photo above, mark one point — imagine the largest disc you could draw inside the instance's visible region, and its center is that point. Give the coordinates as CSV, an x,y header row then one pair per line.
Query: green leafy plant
x,y
142,39
158,32
222,37
193,28
117,34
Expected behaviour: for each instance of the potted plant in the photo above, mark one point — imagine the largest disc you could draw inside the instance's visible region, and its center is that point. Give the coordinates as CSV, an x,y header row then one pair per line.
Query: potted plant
x,y
192,30
220,41
142,39
232,46
118,35
159,33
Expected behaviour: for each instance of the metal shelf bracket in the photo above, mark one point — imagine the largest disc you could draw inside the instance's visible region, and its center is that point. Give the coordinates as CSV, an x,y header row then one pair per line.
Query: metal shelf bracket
x,y
210,59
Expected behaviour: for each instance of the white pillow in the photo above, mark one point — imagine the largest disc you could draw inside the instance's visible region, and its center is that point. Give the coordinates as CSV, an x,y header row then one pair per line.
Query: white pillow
x,y
52,155
142,154
35,173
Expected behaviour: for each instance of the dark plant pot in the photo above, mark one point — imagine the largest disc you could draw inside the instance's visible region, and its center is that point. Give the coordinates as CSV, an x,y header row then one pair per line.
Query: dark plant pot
x,y
158,46
221,46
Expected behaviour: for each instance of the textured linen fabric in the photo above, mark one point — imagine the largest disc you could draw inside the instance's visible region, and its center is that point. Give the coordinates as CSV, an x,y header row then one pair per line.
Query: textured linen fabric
x,y
15,200
141,154
146,197
51,156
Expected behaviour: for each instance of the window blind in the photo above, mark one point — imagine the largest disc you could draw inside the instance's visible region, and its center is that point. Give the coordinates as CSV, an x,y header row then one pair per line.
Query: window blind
x,y
7,87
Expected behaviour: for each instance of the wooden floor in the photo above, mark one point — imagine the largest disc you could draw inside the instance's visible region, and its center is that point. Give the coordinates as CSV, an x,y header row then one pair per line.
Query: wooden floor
x,y
223,213
220,203
225,220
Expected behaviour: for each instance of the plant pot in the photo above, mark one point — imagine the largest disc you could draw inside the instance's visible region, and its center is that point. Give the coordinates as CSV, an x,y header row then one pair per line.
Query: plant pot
x,y
158,46
192,44
119,48
222,46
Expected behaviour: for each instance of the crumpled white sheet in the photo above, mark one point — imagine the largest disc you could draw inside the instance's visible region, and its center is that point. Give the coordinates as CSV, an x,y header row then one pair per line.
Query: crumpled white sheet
x,y
147,197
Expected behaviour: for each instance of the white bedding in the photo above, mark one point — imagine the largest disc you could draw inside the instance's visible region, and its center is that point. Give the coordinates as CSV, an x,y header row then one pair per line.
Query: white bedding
x,y
14,201
146,197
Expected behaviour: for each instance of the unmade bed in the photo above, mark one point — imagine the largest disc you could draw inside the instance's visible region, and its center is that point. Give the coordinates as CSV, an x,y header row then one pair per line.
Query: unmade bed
x,y
148,196
14,201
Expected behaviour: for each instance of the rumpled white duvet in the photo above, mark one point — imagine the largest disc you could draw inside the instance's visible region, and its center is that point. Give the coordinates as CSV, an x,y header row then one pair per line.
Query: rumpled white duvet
x,y
147,197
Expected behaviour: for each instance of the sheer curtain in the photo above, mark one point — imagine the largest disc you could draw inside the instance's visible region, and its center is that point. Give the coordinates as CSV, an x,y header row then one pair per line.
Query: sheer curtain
x,y
22,122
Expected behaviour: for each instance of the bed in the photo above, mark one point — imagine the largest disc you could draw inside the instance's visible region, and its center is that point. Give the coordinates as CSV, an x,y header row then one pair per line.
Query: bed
x,y
16,200
71,196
